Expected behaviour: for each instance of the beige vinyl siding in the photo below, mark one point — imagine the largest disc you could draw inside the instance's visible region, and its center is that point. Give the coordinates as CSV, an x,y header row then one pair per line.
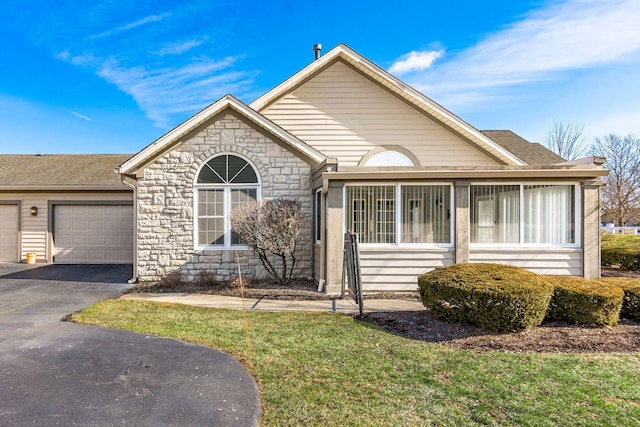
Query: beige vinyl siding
x,y
344,115
397,269
561,261
34,228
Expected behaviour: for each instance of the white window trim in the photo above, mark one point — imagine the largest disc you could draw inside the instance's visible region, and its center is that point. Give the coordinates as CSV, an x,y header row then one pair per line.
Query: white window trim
x,y
521,246
398,200
227,205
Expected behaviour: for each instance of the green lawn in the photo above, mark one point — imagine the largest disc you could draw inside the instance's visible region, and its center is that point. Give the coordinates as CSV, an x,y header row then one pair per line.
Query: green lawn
x,y
610,241
331,370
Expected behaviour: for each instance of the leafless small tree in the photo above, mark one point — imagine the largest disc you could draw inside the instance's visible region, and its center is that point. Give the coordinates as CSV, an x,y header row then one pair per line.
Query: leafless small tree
x,y
271,228
566,140
621,194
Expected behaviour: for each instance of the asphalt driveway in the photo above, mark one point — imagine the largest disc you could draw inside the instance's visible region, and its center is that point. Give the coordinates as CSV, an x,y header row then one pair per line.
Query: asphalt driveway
x,y
55,373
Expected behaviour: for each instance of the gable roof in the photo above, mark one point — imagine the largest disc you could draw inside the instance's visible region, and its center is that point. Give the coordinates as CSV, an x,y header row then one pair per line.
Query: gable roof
x,y
61,171
395,86
531,152
168,140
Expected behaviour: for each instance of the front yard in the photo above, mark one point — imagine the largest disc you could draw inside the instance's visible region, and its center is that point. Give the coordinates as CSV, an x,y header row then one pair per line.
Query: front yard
x,y
325,369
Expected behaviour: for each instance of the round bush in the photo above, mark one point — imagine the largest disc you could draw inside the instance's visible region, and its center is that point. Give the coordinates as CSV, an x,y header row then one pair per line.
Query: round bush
x,y
631,301
493,296
584,302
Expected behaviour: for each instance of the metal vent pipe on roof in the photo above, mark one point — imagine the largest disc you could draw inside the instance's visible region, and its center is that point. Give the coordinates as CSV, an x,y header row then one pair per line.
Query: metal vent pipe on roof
x,y
316,50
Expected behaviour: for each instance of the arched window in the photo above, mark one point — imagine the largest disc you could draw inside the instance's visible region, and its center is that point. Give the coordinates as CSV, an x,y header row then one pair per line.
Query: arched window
x,y
223,183
389,158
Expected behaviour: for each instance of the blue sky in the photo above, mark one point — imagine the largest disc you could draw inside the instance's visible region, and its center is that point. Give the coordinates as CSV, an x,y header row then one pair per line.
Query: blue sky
x,y
113,76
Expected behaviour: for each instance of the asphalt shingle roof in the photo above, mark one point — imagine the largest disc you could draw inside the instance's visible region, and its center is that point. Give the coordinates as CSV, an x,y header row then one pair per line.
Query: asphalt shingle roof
x,y
530,152
60,170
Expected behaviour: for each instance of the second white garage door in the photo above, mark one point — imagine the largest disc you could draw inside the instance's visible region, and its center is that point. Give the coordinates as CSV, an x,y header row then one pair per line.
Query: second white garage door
x,y
85,234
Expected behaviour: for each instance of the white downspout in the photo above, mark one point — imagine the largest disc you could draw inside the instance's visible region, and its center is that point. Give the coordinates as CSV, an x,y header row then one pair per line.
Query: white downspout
x,y
131,182
323,241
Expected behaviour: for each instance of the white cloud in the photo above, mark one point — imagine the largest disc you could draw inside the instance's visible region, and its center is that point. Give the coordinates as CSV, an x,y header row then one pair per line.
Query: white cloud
x,y
131,25
181,47
65,55
81,116
564,36
163,92
415,61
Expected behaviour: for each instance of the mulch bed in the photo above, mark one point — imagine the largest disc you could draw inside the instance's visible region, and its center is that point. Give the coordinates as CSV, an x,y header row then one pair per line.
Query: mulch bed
x,y
550,337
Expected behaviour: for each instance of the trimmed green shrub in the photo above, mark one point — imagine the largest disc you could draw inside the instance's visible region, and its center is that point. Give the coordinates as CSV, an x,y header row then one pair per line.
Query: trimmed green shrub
x,y
628,258
631,301
493,296
622,250
584,302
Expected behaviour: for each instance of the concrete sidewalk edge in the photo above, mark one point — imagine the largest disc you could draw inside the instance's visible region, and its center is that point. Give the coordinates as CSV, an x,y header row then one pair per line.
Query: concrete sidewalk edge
x,y
345,306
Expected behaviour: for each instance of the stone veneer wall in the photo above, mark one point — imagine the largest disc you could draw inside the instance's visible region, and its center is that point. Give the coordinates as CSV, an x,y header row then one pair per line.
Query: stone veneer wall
x,y
165,202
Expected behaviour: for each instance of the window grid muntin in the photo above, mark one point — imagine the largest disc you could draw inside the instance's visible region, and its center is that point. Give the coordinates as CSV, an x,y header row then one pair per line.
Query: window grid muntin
x,y
230,189
369,224
227,168
359,214
426,214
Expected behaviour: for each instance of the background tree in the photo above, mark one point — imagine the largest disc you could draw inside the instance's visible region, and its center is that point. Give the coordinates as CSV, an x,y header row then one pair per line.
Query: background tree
x,y
271,228
621,194
566,140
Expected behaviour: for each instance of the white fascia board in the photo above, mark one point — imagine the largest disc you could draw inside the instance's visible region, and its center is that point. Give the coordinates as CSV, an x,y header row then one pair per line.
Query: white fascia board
x,y
431,107
296,79
402,89
185,127
285,136
178,132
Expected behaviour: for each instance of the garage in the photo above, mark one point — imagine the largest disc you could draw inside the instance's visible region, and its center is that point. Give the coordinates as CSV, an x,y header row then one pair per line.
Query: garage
x,y
9,233
93,233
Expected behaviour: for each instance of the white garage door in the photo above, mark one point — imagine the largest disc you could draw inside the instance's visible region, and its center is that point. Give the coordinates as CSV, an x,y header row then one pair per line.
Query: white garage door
x,y
85,234
9,233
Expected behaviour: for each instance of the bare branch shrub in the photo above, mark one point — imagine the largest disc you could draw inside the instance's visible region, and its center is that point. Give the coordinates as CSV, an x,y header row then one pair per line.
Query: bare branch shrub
x,y
621,194
566,140
236,283
206,278
173,279
271,228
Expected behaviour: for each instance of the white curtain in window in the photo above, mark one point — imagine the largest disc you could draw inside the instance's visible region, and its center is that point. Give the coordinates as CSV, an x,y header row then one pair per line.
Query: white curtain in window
x,y
495,214
549,214
508,224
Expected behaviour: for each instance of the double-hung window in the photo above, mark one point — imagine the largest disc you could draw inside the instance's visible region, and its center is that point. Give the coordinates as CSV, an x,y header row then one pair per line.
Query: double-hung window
x,y
399,214
535,214
223,183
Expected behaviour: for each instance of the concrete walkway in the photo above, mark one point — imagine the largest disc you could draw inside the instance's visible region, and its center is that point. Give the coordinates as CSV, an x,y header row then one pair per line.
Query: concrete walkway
x,y
345,306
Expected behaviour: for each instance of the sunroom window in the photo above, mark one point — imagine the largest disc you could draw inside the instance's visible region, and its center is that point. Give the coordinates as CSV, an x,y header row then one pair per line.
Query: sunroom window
x,y
523,214
399,214
223,183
